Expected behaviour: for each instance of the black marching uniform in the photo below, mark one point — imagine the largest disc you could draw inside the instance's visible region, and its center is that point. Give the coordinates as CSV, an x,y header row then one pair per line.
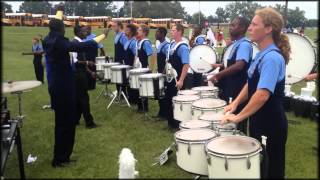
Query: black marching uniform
x,y
161,62
171,89
119,54
62,88
82,96
128,60
232,85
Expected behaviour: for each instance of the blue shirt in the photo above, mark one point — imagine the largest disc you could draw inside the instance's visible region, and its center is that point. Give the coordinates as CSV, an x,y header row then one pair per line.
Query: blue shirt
x,y
147,47
90,37
132,46
272,68
183,52
165,46
120,36
37,47
200,40
244,50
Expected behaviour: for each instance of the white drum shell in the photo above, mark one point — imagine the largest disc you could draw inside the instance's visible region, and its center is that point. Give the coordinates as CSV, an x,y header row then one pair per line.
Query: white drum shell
x,y
205,92
237,167
197,112
146,85
107,70
182,110
116,73
134,77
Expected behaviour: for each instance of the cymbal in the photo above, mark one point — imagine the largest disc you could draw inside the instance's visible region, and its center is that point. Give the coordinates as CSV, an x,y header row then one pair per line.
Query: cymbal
x,y
15,86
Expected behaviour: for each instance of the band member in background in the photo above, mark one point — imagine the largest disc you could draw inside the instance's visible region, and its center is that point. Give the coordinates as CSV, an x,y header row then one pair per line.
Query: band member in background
x,y
129,55
179,59
62,86
161,62
91,56
80,68
37,52
196,39
232,79
265,88
119,42
144,49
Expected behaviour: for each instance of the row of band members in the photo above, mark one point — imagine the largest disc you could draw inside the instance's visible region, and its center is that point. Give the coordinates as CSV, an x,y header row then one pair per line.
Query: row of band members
x,y
256,86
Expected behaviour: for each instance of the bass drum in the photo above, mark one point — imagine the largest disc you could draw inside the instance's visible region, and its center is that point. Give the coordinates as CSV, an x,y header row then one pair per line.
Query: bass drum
x,y
302,58
201,58
228,49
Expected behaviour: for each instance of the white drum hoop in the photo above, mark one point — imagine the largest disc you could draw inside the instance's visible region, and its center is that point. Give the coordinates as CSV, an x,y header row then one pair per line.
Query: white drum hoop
x,y
302,58
201,58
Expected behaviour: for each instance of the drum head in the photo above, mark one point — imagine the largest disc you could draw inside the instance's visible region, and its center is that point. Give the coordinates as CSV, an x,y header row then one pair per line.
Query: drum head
x,y
188,92
228,126
205,88
302,58
185,98
195,134
137,70
233,145
201,58
228,49
194,124
208,103
210,116
120,67
151,75
100,58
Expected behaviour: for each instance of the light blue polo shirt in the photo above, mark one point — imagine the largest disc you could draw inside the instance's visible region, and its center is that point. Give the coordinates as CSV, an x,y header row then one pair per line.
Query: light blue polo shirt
x,y
183,52
132,46
244,50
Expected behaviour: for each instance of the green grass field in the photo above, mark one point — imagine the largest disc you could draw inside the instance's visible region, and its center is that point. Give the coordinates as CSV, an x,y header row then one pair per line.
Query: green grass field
x,y
97,150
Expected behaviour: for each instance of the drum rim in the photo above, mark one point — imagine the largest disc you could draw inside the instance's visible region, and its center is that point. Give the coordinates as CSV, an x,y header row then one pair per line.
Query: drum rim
x,y
200,90
314,52
150,78
233,156
195,107
111,64
174,99
194,141
185,90
208,124
215,53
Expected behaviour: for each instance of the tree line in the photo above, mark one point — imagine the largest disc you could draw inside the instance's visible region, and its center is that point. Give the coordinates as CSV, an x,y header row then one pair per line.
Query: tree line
x,y
160,9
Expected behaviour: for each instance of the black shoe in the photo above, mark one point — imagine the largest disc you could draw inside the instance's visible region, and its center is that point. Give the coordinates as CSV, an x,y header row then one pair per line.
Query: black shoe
x,y
70,161
57,164
91,126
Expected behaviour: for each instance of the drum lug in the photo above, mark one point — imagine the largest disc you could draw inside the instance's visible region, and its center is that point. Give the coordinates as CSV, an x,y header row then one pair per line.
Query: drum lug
x,y
181,109
208,160
189,148
226,165
192,113
202,112
248,163
176,146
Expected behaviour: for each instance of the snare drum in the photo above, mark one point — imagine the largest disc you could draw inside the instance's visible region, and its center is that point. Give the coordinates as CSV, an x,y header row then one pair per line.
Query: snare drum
x,y
151,85
212,118
190,149
182,106
107,69
203,106
120,74
234,157
194,124
133,76
206,91
100,59
100,67
188,92
226,129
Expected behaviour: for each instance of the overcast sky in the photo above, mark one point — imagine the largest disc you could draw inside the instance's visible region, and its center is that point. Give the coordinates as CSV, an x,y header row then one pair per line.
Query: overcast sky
x,y
209,8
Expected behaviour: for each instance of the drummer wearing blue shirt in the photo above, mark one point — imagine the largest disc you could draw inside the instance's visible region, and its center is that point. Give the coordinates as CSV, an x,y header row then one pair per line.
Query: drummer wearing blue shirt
x,y
232,79
129,55
265,89
162,50
144,50
179,60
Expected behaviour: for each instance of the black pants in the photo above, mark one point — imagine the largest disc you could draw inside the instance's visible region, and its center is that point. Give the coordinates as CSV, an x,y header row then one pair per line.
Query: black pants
x,y
162,108
82,99
64,131
142,103
91,80
197,80
38,68
188,82
170,92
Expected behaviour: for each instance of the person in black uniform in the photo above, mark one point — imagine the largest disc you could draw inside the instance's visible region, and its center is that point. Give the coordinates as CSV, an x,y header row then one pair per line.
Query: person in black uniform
x,y
144,50
162,51
265,89
62,86
179,60
119,40
37,52
91,56
232,79
129,56
80,74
